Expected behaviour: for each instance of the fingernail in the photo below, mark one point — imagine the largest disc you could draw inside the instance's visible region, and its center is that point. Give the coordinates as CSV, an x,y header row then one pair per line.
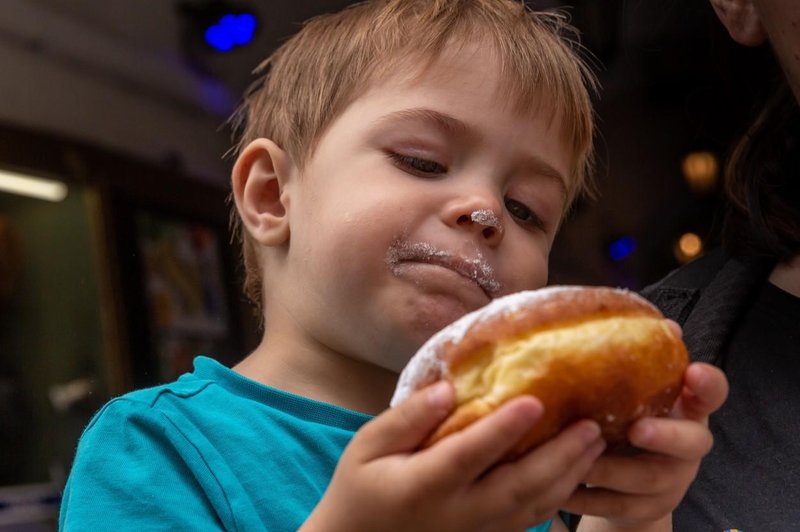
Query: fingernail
x,y
597,448
440,396
643,432
589,431
696,374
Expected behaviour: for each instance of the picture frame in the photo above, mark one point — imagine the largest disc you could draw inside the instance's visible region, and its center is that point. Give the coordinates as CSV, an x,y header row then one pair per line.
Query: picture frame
x,y
183,280
178,282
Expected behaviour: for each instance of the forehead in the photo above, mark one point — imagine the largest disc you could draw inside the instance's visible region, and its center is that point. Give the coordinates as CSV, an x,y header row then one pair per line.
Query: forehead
x,y
459,56
462,69
464,90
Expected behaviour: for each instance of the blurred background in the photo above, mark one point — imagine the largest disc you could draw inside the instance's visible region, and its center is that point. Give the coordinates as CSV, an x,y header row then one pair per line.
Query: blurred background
x,y
116,262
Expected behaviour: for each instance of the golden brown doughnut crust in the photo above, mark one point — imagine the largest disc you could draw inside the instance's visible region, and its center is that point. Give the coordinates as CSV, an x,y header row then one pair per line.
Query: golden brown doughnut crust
x,y
585,352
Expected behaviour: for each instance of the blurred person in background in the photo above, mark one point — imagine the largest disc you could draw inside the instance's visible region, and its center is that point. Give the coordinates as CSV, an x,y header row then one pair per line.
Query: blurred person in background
x,y
740,305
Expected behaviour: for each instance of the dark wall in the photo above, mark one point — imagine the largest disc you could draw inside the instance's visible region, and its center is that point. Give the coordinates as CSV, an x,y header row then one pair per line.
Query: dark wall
x,y
673,82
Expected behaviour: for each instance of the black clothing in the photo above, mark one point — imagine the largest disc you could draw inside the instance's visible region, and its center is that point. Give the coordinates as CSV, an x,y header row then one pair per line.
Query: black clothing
x,y
733,317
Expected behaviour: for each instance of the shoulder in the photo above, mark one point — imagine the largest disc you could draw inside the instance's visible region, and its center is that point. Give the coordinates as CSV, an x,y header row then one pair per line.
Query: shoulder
x,y
142,441
677,293
717,279
149,412
694,275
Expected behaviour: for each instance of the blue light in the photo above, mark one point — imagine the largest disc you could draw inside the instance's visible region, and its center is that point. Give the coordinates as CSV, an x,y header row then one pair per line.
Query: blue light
x,y
231,31
621,248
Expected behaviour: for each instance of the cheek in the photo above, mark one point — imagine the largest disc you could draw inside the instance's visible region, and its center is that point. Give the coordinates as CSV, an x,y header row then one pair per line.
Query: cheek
x,y
528,268
355,244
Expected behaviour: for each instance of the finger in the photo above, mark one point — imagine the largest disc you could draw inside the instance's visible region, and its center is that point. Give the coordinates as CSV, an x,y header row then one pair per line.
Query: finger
x,y
546,476
705,390
475,449
646,474
616,506
404,427
677,438
675,328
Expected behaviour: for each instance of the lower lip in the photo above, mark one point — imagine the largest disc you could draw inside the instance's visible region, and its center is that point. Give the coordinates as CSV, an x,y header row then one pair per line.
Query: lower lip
x,y
438,278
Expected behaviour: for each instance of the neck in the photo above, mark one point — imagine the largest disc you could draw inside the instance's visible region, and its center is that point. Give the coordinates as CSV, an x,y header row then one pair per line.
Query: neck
x,y
312,370
786,276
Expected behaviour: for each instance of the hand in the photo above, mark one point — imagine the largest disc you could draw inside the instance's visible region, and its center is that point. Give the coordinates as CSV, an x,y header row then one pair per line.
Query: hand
x,y
382,482
631,491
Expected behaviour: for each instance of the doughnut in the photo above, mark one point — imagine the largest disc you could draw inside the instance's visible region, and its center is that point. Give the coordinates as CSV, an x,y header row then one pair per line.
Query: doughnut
x,y
585,352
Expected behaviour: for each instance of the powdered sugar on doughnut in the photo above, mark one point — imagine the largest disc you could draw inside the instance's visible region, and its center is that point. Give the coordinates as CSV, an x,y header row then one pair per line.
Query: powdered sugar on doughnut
x,y
427,366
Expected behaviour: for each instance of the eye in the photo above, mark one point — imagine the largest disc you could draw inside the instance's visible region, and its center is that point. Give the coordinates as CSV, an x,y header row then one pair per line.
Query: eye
x,y
417,166
524,214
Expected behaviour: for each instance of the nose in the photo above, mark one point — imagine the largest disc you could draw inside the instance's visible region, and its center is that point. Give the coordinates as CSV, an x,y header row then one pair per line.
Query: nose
x,y
478,214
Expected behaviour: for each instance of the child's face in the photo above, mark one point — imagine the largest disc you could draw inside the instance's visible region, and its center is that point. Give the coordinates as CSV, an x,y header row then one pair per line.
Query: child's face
x,y
386,245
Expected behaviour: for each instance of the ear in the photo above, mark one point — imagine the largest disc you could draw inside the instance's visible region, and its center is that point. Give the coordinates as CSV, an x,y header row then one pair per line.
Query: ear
x,y
741,19
259,180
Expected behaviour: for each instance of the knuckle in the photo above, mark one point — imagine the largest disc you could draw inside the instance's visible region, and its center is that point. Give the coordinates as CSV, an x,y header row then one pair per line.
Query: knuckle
x,y
707,443
404,417
462,461
653,476
506,428
423,487
621,507
512,495
521,494
411,495
640,508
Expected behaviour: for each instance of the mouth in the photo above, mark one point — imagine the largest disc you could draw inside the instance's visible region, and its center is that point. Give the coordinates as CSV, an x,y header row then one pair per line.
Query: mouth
x,y
476,269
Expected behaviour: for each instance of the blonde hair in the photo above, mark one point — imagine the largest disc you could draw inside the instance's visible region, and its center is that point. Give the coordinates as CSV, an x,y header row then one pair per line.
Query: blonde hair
x,y
311,79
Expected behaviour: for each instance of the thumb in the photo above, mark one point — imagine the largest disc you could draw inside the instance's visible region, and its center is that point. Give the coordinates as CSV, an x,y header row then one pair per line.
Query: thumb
x,y
403,428
705,390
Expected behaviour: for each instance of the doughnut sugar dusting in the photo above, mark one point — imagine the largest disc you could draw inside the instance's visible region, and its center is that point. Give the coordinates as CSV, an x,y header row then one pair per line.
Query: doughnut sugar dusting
x,y
427,366
585,352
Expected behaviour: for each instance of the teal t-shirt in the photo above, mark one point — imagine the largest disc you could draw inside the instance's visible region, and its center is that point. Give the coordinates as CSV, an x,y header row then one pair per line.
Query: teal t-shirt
x,y
210,451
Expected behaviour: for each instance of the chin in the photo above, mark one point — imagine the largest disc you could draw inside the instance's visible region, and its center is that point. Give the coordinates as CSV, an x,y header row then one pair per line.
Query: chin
x,y
412,317
434,312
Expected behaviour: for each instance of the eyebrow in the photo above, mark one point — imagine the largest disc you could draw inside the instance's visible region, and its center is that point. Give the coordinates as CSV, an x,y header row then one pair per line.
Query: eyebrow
x,y
444,122
456,127
539,166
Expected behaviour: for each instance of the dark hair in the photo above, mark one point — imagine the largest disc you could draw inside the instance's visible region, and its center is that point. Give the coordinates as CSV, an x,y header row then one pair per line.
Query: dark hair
x,y
762,183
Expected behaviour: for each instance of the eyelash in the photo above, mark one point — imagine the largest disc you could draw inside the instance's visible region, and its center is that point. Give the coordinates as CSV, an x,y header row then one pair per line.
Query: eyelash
x,y
428,168
528,217
417,166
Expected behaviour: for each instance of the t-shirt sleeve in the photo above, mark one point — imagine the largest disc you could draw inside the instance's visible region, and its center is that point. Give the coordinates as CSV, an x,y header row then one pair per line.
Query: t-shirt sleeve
x,y
544,527
134,470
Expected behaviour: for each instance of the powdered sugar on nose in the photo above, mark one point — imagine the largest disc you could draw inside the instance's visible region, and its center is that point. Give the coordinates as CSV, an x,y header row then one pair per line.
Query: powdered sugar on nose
x,y
485,217
477,268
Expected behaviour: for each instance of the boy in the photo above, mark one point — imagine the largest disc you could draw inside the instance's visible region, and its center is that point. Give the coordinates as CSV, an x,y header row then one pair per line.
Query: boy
x,y
404,162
